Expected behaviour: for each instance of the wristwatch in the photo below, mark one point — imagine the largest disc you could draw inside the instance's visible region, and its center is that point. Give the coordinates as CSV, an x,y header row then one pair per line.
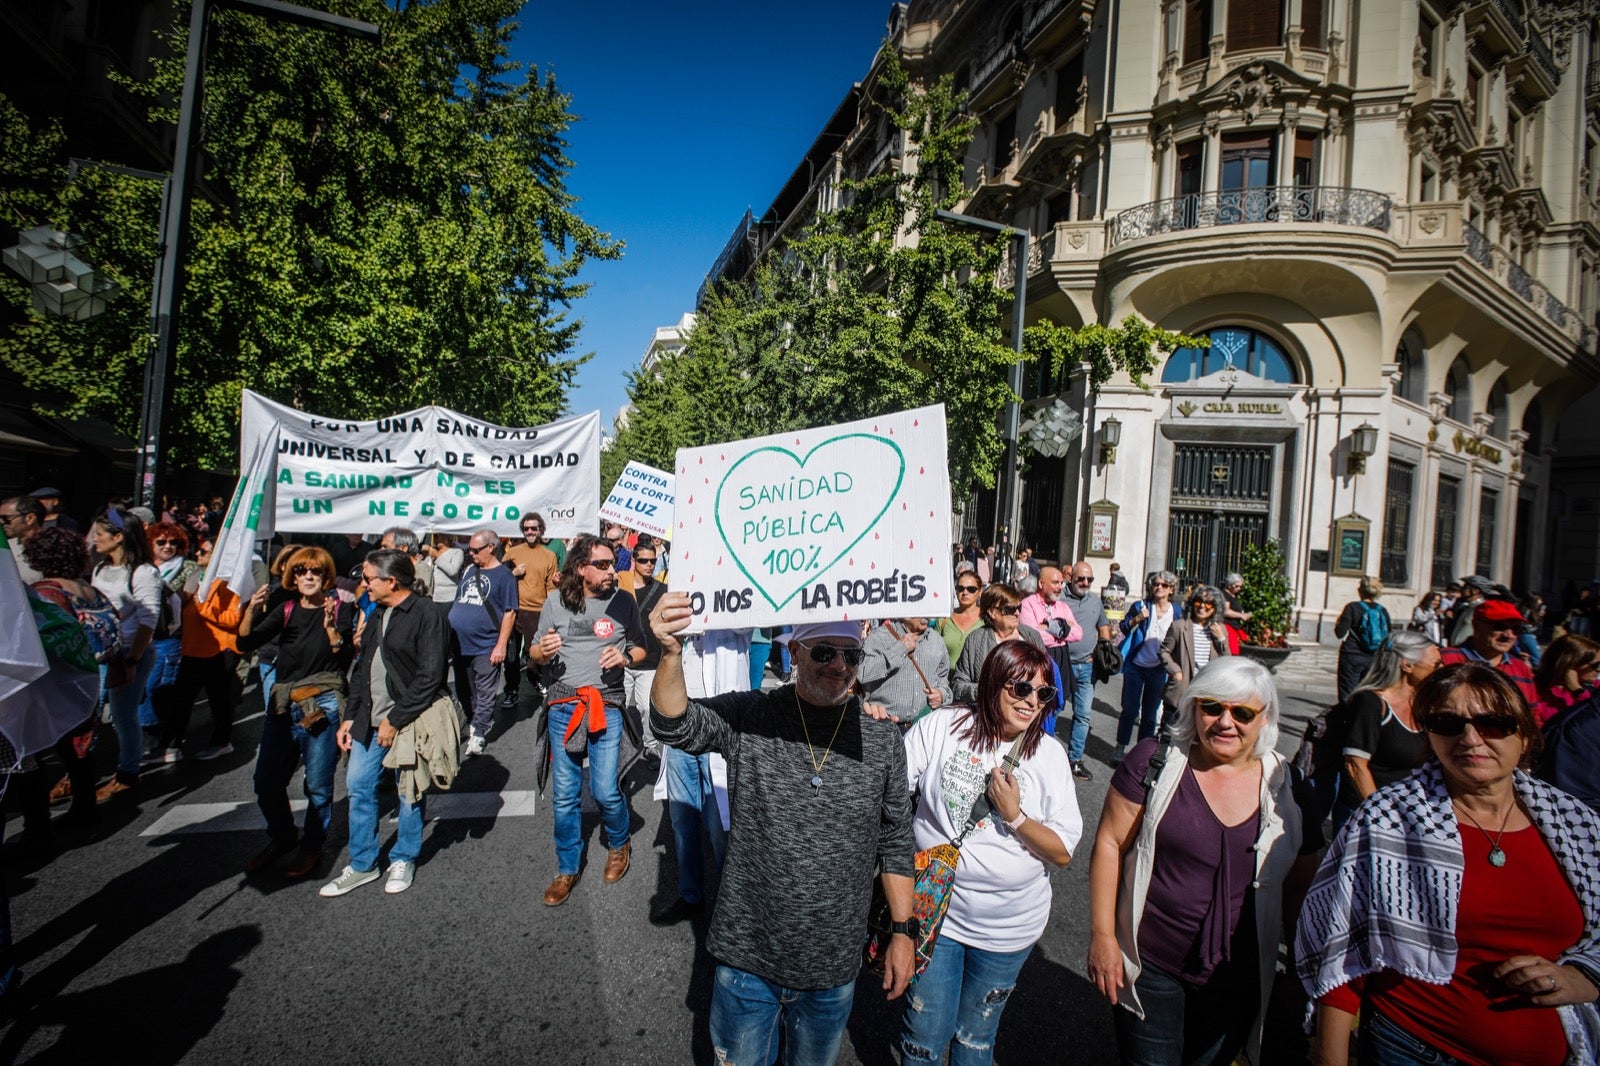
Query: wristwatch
x,y
911,927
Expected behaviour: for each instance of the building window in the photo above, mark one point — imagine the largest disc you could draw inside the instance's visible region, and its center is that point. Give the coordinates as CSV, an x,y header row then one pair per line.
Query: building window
x,y
1196,30
1245,350
1499,409
1456,387
1191,160
1399,493
1248,161
1069,79
1445,508
1005,135
1475,91
1427,28
1311,23
1254,24
1428,187
1305,159
1488,517
963,78
1412,381
1533,426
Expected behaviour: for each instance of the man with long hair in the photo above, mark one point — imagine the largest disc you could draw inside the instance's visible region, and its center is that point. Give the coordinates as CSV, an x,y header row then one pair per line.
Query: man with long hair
x,y
591,635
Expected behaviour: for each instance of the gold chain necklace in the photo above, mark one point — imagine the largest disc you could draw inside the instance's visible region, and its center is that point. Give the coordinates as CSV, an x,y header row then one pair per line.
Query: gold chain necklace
x,y
1497,858
816,767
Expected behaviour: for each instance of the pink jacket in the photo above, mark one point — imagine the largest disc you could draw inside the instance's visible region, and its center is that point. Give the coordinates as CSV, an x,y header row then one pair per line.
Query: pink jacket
x,y
1037,613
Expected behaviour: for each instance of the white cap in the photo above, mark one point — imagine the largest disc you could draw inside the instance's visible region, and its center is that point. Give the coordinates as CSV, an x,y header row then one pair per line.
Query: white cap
x,y
850,631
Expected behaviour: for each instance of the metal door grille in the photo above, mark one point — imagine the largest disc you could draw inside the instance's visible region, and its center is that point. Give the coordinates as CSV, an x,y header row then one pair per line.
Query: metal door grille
x,y
1221,498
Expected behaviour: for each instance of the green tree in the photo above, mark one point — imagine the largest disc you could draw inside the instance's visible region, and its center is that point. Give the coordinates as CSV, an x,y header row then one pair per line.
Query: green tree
x,y
875,307
382,227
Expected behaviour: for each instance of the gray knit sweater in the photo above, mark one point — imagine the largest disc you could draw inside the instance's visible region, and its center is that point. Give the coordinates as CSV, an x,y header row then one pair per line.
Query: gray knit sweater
x,y
798,881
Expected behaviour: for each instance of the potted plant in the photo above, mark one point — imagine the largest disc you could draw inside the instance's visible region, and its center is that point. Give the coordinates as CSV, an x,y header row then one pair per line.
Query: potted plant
x,y
1267,598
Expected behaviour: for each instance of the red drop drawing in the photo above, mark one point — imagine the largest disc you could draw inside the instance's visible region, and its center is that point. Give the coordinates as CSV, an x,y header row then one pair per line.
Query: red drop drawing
x,y
905,506
691,500
935,595
847,618
702,460
797,442
915,423
922,470
874,429
719,560
930,514
706,619
930,560
874,566
721,456
708,481
852,560
911,546
874,536
700,521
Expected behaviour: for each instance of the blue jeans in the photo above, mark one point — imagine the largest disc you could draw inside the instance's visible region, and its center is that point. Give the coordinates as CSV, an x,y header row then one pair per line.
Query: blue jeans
x,y
1082,706
760,652
1191,1025
1381,1042
746,1012
283,747
124,703
361,779
604,751
1142,687
961,995
691,805
164,674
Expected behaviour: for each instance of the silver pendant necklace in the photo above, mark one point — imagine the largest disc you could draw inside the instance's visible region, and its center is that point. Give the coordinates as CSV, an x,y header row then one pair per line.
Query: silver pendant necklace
x,y
816,767
1497,857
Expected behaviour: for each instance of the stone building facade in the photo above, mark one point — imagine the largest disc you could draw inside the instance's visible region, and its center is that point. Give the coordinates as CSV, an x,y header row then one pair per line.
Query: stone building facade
x,y
1383,213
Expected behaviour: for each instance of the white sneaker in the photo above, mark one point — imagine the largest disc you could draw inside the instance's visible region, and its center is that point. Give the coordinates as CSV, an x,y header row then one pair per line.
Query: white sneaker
x,y
348,881
474,746
400,874
216,751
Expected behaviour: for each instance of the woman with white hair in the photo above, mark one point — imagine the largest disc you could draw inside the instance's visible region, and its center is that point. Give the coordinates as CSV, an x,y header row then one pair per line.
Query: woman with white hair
x,y
1198,833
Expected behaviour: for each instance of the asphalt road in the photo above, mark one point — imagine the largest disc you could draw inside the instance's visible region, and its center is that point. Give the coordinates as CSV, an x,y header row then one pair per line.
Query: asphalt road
x,y
146,942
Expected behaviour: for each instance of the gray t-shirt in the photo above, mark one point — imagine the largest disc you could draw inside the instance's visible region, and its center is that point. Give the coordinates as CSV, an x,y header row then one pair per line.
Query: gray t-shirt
x,y
611,622
1090,611
798,880
382,702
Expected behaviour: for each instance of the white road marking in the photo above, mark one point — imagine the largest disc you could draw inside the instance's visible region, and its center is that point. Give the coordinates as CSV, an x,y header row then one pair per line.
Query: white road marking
x,y
243,816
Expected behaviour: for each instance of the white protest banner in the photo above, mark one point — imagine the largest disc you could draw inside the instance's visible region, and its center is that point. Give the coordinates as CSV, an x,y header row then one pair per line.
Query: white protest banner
x,y
641,499
844,522
235,546
431,469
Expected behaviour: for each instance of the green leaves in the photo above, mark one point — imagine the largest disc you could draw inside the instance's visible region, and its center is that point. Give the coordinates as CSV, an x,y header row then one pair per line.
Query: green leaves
x,y
1135,347
1266,594
381,227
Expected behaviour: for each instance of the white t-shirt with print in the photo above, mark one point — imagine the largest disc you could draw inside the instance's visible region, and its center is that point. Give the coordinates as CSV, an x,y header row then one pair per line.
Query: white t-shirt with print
x,y
1001,900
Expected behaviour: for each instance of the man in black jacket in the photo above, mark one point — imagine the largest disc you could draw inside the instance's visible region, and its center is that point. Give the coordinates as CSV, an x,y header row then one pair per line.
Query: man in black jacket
x,y
405,646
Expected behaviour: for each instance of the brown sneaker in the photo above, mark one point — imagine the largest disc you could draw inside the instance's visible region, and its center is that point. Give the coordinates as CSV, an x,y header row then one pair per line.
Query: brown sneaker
x,y
617,860
304,862
268,855
114,787
62,791
559,889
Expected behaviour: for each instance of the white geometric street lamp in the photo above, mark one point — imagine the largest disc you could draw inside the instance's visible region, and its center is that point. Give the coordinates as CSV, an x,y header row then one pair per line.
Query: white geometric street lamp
x,y
63,284
1051,430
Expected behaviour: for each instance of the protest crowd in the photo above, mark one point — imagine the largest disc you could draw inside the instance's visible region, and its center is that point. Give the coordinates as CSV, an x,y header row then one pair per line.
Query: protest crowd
x,y
1420,880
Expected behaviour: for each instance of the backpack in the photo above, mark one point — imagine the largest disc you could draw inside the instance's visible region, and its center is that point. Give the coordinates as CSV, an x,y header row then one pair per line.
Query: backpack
x,y
1372,628
1318,761
98,618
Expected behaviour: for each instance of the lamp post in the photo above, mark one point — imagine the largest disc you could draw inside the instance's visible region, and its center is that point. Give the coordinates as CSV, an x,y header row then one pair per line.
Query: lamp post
x,y
1363,443
175,223
1009,496
1110,437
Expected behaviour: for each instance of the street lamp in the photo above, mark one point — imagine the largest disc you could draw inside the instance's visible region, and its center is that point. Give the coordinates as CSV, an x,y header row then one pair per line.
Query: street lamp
x,y
1363,443
1009,496
175,224
1110,437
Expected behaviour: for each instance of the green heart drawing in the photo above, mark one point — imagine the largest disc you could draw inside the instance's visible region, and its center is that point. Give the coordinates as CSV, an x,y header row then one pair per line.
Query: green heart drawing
x,y
774,466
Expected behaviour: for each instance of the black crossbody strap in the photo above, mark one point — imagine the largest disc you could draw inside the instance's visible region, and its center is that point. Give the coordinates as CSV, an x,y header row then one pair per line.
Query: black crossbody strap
x,y
981,806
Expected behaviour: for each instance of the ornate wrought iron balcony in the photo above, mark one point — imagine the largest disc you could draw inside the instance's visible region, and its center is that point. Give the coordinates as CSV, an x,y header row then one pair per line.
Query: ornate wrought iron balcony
x,y
1484,252
1294,205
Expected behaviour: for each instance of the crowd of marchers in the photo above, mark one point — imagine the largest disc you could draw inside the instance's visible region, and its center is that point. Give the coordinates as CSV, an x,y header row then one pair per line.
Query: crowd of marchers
x,y
889,806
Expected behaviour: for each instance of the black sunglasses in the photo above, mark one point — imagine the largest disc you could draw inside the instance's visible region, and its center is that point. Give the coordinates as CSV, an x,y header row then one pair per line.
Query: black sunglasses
x,y
601,564
300,571
826,653
1489,726
969,588
1009,610
643,560
1023,689
1214,708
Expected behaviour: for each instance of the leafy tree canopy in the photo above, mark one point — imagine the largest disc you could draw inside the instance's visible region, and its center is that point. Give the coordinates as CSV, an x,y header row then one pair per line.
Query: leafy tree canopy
x,y
380,227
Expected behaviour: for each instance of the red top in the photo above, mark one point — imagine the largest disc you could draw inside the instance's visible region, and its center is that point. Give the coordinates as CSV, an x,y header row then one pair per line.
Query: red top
x,y
1513,666
1523,908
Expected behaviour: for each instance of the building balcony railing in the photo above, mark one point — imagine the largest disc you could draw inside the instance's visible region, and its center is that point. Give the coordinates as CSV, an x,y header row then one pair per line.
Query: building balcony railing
x,y
1004,56
1542,55
1488,255
1291,205
1591,80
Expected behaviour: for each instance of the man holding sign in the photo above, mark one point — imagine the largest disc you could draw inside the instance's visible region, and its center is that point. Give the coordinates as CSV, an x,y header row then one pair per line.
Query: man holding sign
x,y
819,800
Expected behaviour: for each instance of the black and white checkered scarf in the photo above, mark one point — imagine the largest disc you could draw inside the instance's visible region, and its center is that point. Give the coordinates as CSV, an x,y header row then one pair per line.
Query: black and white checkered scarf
x,y
1385,896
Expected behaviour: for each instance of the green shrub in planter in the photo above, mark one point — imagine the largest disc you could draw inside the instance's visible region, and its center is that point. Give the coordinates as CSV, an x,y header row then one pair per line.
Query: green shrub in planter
x,y
1266,595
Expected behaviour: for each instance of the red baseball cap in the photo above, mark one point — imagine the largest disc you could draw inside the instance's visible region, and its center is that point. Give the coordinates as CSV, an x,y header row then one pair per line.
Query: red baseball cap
x,y
1498,611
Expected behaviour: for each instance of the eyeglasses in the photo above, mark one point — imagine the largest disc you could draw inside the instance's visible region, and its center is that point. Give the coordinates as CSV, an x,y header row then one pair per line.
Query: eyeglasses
x,y
533,529
299,572
1242,715
1083,581
644,560
1161,584
9,517
163,540
601,564
1489,726
1023,689
1204,604
826,653
479,548
1008,610
969,590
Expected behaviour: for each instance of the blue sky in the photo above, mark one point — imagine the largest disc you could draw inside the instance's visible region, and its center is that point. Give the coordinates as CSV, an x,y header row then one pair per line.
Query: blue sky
x,y
690,113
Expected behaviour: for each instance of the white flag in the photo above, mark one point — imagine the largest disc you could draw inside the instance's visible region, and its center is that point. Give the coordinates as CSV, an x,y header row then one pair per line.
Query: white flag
x,y
231,555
